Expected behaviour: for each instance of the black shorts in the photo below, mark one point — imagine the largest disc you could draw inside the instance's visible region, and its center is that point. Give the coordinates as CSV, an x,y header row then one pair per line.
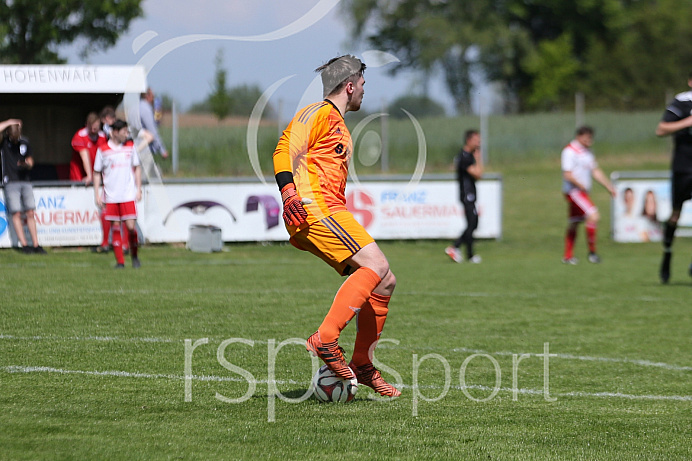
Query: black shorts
x,y
681,188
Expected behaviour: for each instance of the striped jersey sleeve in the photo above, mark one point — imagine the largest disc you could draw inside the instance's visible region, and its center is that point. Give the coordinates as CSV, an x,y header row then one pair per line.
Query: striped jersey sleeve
x,y
316,149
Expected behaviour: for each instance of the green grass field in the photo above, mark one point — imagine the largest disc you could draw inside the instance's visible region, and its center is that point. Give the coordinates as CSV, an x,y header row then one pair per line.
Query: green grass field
x,y
93,361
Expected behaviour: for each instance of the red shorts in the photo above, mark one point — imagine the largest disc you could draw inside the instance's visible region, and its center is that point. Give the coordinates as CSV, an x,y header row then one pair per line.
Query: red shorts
x,y
579,205
120,211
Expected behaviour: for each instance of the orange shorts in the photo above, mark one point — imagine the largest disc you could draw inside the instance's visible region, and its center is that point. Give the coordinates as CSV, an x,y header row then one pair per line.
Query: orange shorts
x,y
333,239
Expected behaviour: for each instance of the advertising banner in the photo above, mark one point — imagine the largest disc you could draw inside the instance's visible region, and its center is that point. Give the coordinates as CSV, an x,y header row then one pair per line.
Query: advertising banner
x,y
251,211
243,212
65,216
642,204
431,209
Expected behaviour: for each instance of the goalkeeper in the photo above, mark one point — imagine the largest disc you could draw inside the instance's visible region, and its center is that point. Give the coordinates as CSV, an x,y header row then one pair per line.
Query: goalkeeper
x,y
311,164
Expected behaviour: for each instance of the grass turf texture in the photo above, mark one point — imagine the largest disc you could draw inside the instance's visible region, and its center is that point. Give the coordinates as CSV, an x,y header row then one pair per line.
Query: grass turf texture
x,y
112,344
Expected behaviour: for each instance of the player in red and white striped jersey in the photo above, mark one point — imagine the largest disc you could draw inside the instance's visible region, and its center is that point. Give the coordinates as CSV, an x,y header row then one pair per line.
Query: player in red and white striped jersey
x,y
118,162
578,167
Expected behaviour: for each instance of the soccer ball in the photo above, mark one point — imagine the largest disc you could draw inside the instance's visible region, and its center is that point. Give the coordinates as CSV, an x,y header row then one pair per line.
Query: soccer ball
x,y
328,387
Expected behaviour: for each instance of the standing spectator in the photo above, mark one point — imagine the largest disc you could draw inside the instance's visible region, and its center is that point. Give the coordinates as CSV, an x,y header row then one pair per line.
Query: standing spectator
x,y
676,121
84,144
578,167
17,160
469,166
118,162
107,116
158,110
148,122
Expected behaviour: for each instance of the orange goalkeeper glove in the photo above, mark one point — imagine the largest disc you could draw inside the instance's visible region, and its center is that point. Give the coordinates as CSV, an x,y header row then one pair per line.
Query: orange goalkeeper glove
x,y
294,212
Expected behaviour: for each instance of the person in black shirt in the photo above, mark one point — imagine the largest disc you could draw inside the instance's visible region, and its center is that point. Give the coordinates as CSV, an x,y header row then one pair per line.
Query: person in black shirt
x,y
17,162
469,166
677,122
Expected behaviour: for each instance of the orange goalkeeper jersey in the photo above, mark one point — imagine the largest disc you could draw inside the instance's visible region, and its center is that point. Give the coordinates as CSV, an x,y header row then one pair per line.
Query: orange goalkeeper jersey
x,y
316,148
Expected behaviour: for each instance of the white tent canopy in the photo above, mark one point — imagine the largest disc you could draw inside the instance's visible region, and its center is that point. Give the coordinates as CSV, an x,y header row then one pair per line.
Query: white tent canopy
x,y
53,101
72,79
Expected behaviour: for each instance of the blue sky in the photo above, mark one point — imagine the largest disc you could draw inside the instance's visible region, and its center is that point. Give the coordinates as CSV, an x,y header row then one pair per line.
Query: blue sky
x,y
181,62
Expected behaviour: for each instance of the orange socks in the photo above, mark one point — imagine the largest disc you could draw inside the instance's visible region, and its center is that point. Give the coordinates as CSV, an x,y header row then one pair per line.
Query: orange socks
x,y
370,322
348,301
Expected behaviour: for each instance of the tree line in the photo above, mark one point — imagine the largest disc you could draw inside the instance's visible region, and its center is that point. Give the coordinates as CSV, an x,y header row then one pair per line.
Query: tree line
x,y
31,31
624,54
223,101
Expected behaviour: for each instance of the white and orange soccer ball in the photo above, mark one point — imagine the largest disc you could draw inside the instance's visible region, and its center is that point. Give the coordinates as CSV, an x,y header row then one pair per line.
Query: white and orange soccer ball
x,y
328,387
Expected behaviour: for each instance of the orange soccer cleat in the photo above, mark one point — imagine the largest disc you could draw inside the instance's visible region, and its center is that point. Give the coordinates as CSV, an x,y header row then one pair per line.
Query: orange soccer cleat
x,y
371,377
331,354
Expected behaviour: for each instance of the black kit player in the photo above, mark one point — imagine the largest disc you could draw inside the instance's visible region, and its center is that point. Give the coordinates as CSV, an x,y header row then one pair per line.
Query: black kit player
x,y
677,121
469,166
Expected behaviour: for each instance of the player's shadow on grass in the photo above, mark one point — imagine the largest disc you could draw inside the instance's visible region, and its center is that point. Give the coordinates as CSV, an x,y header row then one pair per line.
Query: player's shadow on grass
x,y
677,283
291,394
297,393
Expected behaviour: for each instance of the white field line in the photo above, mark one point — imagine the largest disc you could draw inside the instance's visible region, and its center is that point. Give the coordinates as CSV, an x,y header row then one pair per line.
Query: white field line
x,y
443,294
167,263
482,294
126,374
241,291
89,338
585,358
